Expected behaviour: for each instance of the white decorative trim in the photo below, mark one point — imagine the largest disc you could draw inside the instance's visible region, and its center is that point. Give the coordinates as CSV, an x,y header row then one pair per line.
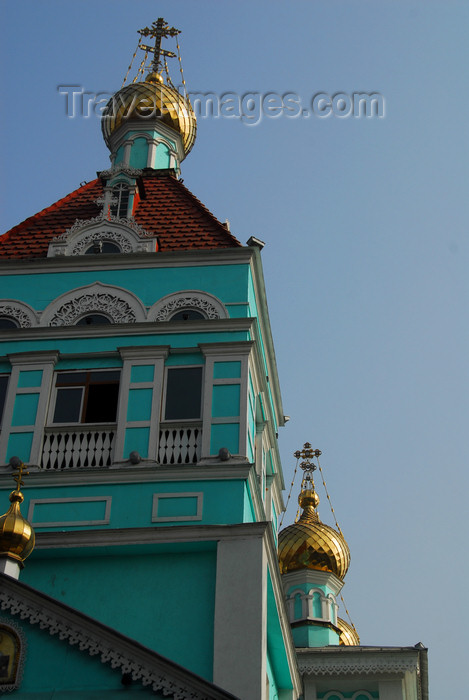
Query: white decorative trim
x,y
70,523
155,518
126,233
120,168
18,311
106,646
118,304
207,304
356,663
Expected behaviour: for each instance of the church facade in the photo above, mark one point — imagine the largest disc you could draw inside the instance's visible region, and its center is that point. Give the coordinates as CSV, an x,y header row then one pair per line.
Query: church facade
x,y
138,383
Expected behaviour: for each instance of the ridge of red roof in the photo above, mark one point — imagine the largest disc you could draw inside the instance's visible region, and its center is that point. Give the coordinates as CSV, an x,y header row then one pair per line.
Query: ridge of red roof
x,y
166,208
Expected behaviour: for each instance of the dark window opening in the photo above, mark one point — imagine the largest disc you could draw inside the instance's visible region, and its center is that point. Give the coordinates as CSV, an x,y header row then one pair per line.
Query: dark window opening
x,y
3,393
87,397
99,246
183,393
187,315
121,194
8,323
93,320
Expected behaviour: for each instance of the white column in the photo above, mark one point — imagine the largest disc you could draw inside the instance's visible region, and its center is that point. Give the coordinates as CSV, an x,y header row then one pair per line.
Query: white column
x,y
240,630
151,154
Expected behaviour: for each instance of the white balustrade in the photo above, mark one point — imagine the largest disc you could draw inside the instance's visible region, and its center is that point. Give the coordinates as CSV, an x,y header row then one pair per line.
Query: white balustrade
x,y
70,447
180,444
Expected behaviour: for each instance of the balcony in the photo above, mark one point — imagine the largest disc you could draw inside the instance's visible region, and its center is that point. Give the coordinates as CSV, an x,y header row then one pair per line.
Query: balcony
x,y
72,447
69,447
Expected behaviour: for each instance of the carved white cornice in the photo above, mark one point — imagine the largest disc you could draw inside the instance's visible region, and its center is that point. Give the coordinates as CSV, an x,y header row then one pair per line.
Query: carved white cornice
x,y
130,657
345,661
120,168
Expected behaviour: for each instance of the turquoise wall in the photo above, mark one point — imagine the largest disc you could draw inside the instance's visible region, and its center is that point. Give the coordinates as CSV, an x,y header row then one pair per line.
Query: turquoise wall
x,y
62,671
178,588
227,282
132,504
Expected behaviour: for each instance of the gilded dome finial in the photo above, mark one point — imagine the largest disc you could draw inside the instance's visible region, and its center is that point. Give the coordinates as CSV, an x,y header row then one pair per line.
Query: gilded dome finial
x,y
310,543
17,536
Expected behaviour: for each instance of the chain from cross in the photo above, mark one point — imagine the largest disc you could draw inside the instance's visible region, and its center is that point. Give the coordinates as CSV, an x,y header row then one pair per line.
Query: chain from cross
x,y
159,30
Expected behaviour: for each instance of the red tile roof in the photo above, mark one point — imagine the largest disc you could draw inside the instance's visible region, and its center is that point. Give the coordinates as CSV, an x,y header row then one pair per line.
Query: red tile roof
x,y
167,208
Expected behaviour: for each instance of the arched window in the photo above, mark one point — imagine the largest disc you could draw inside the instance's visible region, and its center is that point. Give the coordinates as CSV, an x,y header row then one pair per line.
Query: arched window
x,y
93,320
121,194
7,323
102,247
187,315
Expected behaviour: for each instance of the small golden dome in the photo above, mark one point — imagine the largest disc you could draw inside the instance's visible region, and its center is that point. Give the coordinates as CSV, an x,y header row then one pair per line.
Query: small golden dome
x,y
310,544
16,534
348,635
148,100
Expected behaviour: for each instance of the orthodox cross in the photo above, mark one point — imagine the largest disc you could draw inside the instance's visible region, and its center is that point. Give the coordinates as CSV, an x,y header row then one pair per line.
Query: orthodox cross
x,y
17,464
107,200
159,30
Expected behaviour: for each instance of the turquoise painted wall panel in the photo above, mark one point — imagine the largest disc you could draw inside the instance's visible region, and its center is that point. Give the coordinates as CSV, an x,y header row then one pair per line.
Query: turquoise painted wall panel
x,y
191,358
224,435
275,641
273,690
110,344
136,440
227,370
177,506
162,158
119,155
19,445
226,400
227,282
70,512
95,585
249,514
85,362
25,409
30,378
154,133
139,153
314,636
142,373
139,406
216,507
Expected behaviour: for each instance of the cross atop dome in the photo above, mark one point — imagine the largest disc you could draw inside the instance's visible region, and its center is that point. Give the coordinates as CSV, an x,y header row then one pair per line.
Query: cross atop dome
x,y
159,30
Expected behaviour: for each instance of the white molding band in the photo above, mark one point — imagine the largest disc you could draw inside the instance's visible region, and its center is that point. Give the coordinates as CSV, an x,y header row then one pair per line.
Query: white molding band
x,y
367,661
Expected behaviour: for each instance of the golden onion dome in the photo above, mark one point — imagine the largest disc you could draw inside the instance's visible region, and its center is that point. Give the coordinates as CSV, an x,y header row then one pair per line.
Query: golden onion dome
x,y
348,635
311,544
17,536
147,100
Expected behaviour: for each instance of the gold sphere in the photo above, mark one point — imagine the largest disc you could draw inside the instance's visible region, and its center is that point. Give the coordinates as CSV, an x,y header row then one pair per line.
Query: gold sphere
x,y
17,536
150,100
311,544
348,635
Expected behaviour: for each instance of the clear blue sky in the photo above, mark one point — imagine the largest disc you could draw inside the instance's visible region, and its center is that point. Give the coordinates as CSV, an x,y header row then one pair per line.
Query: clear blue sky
x,y
366,258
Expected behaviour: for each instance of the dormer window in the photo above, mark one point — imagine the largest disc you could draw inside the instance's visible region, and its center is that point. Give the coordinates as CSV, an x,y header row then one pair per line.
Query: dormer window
x,y
105,247
187,315
7,323
121,195
93,320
